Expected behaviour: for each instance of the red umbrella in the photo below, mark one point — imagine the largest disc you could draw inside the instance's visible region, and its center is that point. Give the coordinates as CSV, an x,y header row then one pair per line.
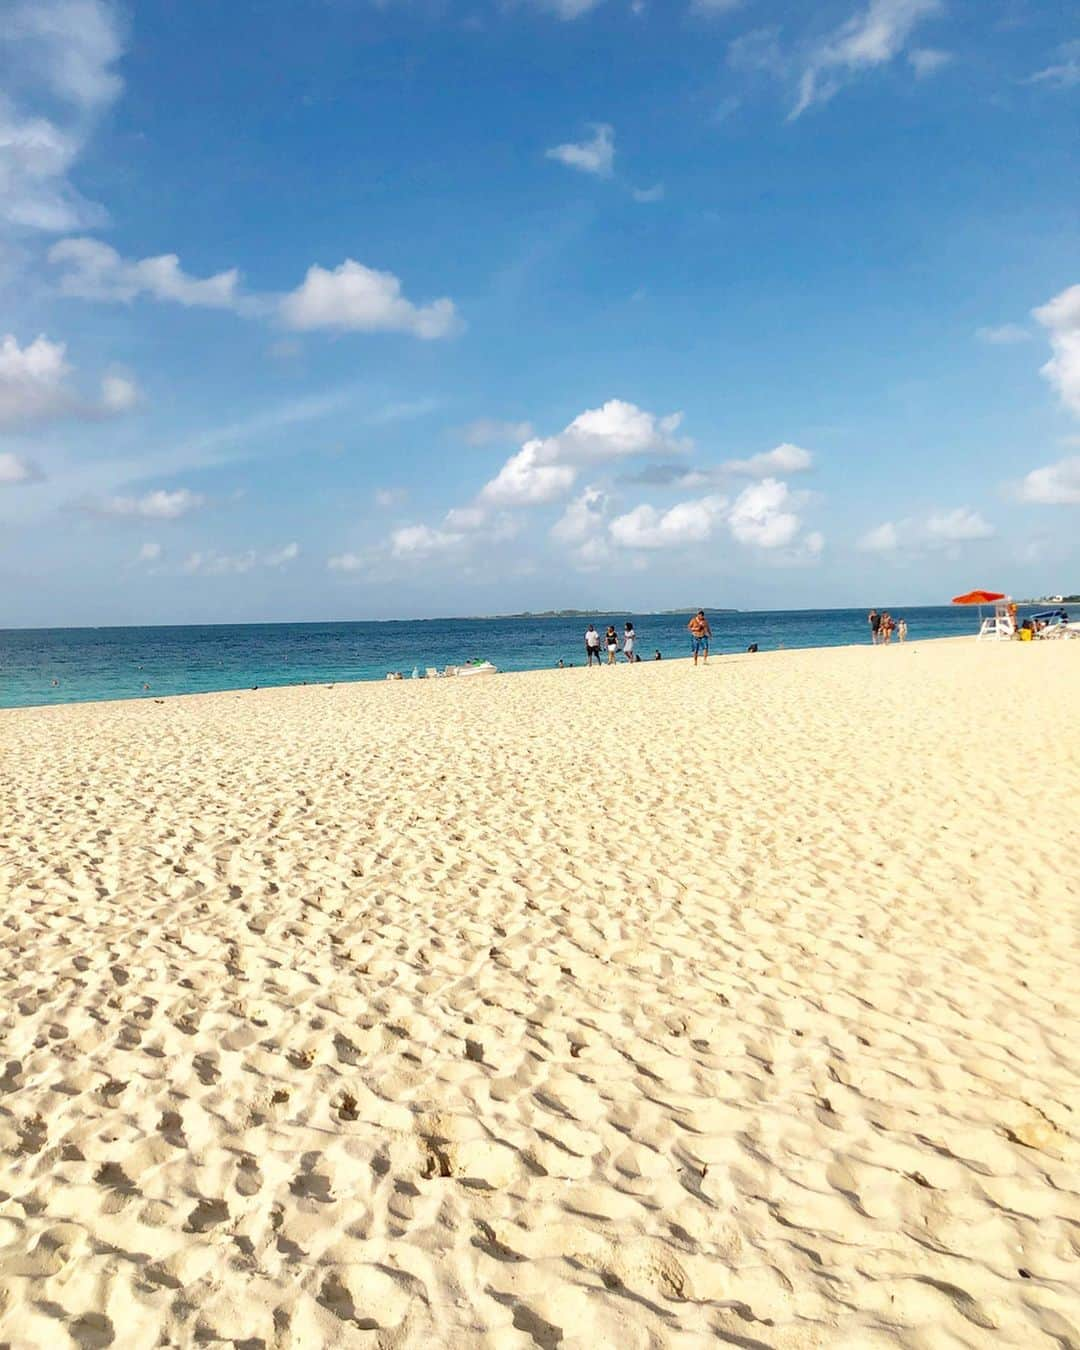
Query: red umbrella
x,y
978,598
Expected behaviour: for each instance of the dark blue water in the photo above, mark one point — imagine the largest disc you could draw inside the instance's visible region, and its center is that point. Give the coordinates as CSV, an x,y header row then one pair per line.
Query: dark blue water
x,y
66,665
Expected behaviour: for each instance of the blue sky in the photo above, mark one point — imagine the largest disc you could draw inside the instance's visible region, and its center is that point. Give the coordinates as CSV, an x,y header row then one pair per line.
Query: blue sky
x,y
342,309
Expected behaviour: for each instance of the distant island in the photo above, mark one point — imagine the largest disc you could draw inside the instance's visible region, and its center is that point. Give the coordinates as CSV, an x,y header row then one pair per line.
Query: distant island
x,y
1053,600
596,613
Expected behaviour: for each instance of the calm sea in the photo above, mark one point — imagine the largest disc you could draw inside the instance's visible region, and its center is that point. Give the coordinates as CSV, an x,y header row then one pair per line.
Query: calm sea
x,y
67,665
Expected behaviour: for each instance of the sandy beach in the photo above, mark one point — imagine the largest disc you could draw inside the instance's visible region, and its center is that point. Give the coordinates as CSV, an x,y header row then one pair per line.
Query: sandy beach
x,y
654,1006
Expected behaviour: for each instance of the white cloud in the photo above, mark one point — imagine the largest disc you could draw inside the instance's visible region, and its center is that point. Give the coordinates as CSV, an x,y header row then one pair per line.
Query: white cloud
x,y
356,298
488,431
346,562
156,505
61,53
119,393
94,271
1063,73
15,469
1054,484
150,552
871,37
884,538
595,156
420,541
958,526
544,470
1061,317
814,543
656,193
525,480
1003,335
35,386
582,520
279,557
465,518
387,498
785,458
33,381
213,564
761,516
927,61
691,522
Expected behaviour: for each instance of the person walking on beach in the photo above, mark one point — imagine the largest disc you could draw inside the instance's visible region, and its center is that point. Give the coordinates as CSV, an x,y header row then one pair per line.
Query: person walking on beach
x,y
611,641
701,634
874,620
628,641
592,645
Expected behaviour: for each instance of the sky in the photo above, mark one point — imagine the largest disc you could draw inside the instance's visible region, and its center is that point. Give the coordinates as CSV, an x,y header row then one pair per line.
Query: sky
x,y
349,309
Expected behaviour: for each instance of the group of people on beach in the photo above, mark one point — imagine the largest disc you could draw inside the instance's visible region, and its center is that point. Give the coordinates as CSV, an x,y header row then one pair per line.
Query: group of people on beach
x,y
611,644
883,627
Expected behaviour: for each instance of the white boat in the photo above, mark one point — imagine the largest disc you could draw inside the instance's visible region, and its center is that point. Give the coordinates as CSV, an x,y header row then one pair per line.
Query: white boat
x,y
473,668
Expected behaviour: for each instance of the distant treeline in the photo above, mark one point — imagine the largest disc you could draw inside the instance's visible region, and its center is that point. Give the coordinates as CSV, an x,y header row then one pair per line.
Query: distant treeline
x,y
597,613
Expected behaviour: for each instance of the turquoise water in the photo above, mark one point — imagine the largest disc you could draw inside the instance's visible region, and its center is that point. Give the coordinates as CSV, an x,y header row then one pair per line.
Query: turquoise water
x,y
65,665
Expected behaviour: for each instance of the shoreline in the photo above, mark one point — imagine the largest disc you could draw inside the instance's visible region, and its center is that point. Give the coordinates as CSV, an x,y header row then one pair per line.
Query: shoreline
x,y
715,658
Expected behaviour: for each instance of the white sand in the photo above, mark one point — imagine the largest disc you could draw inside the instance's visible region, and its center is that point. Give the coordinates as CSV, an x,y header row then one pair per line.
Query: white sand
x,y
645,1007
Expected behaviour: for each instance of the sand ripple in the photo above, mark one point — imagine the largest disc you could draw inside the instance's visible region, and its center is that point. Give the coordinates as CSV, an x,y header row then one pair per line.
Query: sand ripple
x,y
632,1008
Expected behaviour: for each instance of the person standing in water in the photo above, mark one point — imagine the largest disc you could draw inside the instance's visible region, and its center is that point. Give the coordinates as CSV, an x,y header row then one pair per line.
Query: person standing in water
x,y
701,634
592,645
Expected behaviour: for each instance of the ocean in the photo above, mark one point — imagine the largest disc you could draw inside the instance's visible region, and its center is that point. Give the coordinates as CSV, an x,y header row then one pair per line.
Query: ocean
x,y
76,665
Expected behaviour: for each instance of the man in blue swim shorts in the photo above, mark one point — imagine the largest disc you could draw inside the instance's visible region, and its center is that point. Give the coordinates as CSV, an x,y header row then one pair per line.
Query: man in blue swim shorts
x,y
701,634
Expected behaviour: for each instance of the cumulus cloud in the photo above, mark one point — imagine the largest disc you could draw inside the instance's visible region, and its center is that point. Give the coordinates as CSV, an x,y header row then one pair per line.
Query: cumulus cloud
x,y
355,298
762,515
157,505
957,526
873,36
1003,335
387,498
465,518
595,156
784,458
1061,318
884,538
691,522
420,541
15,469
35,386
94,271
1054,484
60,55
348,298
545,469
583,518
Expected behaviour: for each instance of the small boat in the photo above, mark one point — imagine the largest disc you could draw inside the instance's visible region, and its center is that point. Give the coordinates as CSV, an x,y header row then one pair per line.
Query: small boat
x,y
473,668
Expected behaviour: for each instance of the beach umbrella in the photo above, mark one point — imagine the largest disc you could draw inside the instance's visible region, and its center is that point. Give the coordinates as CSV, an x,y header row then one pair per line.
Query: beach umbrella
x,y
978,598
